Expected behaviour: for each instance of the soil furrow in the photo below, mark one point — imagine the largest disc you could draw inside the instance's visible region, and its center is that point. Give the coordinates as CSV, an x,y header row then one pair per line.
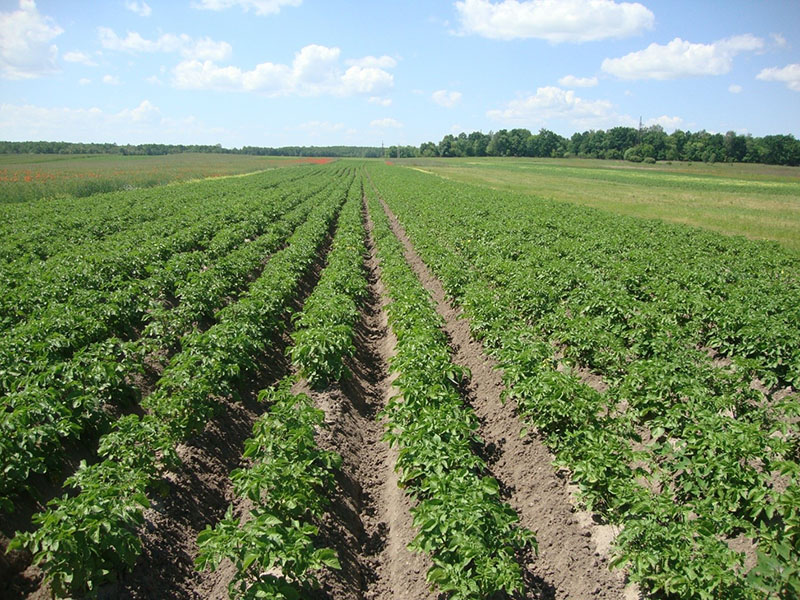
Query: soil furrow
x,y
402,573
200,492
369,523
573,552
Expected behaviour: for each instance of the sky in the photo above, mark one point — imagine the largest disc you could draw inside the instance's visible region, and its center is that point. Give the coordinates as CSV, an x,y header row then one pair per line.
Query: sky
x,y
329,72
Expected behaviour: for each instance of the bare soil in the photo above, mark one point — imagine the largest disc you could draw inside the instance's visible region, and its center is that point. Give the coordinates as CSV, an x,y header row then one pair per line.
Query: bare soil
x,y
369,523
570,562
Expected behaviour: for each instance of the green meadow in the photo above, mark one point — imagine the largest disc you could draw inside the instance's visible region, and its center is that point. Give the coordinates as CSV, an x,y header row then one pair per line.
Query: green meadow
x,y
755,201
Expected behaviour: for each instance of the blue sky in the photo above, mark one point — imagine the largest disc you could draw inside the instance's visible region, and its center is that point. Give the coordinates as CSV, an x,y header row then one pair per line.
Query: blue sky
x,y
322,72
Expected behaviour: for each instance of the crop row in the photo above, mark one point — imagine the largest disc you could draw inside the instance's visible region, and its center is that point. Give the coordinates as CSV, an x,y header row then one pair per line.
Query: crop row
x,y
83,295
33,232
325,329
682,452
85,538
470,534
273,547
191,217
63,398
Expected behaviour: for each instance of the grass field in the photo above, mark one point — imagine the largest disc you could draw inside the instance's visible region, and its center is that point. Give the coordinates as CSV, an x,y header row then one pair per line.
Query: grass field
x,y
32,176
756,201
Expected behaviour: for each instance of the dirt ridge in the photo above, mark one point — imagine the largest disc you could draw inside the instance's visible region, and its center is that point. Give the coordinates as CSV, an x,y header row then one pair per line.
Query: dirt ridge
x,y
572,558
369,523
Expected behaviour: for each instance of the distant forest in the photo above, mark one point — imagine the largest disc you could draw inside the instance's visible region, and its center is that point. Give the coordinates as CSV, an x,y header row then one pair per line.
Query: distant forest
x,y
648,144
159,149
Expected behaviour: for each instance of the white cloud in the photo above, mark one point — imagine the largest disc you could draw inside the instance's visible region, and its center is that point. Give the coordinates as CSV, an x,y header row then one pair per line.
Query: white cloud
x,y
680,58
260,7
735,88
146,112
140,8
25,48
141,124
379,100
201,49
668,123
84,81
555,103
554,20
571,81
387,123
314,71
153,80
364,80
779,40
111,79
378,62
79,57
790,75
445,98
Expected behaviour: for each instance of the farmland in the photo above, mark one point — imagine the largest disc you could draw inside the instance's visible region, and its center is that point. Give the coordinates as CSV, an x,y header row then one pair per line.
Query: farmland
x,y
32,176
359,380
756,201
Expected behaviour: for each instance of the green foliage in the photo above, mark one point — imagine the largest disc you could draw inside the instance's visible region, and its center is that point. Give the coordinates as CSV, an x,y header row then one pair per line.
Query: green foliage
x,y
673,443
82,541
471,535
646,144
138,449
324,333
273,547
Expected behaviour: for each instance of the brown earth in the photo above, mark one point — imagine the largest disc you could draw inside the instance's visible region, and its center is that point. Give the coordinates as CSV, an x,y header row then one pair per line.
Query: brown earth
x,y
369,522
572,561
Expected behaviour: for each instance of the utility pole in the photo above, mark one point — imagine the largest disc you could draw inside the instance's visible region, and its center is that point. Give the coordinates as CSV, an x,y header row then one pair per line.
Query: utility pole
x,y
640,131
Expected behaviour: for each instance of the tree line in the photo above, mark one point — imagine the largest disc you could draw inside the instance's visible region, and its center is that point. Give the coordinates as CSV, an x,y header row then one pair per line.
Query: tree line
x,y
161,149
648,144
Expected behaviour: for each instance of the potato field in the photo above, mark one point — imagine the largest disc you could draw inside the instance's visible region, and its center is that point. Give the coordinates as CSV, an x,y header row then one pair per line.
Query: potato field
x,y
357,380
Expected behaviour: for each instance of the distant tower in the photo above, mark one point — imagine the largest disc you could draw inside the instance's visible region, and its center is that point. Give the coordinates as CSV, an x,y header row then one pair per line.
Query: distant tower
x,y
640,130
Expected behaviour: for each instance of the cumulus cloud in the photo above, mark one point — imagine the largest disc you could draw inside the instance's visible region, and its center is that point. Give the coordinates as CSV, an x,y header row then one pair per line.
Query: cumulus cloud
x,y
140,8
570,81
200,49
111,80
680,58
379,100
668,123
25,48
779,40
554,103
378,62
445,98
260,7
735,88
790,75
314,71
79,57
387,123
84,81
554,20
